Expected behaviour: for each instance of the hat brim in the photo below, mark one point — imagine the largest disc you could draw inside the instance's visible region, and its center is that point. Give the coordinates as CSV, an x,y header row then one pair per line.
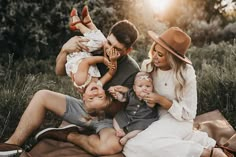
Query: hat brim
x,y
155,37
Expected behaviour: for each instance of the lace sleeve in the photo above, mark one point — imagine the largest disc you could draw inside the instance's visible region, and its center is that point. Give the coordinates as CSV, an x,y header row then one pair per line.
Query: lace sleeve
x,y
186,108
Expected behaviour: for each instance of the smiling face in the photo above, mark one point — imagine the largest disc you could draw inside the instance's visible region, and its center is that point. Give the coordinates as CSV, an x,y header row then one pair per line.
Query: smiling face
x,y
113,43
94,97
159,57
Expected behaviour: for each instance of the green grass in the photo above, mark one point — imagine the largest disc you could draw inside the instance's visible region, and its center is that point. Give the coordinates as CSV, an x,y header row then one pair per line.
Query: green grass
x,y
19,80
216,78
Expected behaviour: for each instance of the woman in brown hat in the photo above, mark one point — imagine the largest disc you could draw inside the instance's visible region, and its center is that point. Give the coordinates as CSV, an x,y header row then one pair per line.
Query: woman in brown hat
x,y
175,90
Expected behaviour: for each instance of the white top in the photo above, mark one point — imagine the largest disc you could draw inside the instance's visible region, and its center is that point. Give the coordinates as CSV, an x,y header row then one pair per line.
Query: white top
x,y
164,85
96,39
172,135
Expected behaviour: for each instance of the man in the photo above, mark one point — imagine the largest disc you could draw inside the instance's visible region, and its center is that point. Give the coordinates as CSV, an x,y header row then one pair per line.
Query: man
x,y
121,38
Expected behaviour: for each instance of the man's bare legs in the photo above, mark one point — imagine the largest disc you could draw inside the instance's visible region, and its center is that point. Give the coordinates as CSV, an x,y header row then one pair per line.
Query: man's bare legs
x,y
105,143
34,114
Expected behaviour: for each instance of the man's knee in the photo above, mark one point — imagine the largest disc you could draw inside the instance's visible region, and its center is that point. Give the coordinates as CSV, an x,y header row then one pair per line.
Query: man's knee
x,y
110,143
42,93
109,149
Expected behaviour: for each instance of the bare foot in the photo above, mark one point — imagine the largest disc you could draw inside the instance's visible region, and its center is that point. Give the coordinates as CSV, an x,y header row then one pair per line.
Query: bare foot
x,y
123,140
120,133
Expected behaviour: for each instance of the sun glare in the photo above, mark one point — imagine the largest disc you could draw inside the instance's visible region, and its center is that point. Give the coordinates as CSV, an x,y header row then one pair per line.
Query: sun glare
x,y
230,5
159,6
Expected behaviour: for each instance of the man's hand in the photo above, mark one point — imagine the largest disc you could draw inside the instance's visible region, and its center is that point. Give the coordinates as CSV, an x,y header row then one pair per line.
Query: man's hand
x,y
75,44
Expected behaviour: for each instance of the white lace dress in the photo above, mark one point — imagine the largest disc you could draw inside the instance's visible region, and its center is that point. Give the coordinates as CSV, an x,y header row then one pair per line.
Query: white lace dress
x,y
96,39
172,135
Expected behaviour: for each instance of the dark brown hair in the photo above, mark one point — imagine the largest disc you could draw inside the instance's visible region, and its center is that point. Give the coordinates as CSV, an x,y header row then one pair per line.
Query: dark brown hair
x,y
125,32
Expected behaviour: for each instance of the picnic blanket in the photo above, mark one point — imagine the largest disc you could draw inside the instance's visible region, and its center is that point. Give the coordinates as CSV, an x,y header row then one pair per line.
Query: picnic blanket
x,y
212,122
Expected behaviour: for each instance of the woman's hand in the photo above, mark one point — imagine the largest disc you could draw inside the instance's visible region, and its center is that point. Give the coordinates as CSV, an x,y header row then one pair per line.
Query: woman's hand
x,y
151,98
154,98
74,44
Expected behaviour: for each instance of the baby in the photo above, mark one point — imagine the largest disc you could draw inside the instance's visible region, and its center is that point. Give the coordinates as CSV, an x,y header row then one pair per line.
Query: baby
x,y
81,66
137,115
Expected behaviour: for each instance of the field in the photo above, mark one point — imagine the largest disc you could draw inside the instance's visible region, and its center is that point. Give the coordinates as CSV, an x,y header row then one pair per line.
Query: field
x,y
20,79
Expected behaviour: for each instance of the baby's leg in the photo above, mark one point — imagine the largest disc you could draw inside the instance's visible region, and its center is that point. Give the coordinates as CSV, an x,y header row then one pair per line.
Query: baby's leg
x,y
81,75
119,132
87,19
130,135
76,23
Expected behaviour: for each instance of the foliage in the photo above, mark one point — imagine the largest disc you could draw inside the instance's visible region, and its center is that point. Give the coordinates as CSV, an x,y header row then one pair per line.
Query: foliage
x,y
205,21
216,73
39,28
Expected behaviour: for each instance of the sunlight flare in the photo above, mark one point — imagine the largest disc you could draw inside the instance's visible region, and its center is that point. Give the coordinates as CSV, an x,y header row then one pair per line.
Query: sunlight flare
x,y
159,6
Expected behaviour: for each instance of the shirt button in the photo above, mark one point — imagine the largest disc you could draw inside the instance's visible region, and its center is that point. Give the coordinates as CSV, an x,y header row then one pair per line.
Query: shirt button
x,y
138,106
134,112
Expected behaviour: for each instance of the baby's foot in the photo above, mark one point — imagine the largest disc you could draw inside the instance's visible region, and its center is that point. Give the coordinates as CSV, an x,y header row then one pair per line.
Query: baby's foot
x,y
120,133
87,19
123,140
75,21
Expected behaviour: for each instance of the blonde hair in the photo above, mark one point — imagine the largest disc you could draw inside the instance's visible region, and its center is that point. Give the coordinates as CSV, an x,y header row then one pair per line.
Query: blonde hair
x,y
178,67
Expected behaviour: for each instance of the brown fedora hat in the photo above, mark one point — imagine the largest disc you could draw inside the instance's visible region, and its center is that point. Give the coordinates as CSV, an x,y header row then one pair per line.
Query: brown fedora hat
x,y
175,41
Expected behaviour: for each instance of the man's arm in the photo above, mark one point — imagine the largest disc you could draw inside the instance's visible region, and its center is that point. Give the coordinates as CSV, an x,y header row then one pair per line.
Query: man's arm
x,y
72,45
60,63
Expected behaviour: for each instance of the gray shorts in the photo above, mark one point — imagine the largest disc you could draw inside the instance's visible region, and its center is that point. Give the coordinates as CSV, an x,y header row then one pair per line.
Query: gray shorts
x,y
75,114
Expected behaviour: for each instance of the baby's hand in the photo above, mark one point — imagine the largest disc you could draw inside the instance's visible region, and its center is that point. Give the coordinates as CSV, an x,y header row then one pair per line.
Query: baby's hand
x,y
113,55
118,96
112,91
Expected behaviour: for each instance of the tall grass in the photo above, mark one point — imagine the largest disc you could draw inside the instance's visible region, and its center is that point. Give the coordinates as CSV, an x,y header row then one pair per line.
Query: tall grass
x,y
216,78
19,80
17,89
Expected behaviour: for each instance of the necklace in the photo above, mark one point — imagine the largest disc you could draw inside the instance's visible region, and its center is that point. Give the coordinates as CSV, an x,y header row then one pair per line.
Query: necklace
x,y
165,76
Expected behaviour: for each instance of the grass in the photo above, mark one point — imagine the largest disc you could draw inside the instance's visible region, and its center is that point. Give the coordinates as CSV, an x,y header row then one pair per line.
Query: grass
x,y
17,89
19,80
